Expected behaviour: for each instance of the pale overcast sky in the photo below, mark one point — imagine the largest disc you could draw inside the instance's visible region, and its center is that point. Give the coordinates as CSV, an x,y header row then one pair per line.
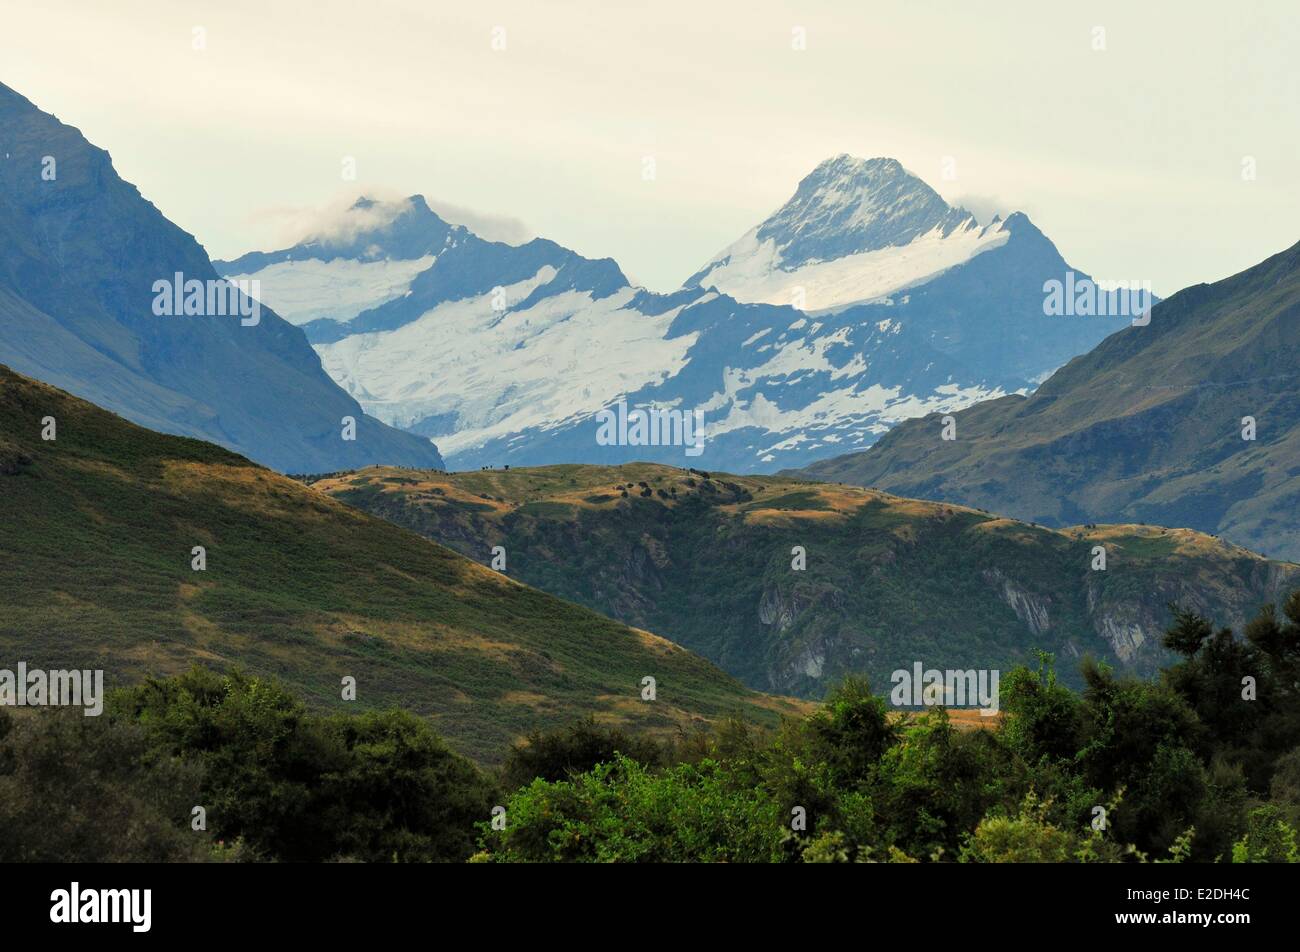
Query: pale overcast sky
x,y
1129,157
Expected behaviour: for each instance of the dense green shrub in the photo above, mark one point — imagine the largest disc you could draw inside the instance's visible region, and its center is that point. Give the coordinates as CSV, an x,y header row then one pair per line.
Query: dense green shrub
x,y
622,812
1201,765
557,754
298,786
78,789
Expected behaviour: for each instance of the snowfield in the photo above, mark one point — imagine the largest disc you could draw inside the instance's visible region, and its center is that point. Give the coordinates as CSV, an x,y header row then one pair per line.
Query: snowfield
x,y
751,271
338,290
507,372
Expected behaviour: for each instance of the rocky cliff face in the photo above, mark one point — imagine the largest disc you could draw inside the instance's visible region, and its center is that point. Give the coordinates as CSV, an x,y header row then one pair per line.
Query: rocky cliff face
x,y
1031,609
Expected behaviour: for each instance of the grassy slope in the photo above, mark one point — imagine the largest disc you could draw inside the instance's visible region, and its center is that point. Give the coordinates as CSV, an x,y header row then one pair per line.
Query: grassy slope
x,y
1146,427
889,580
96,530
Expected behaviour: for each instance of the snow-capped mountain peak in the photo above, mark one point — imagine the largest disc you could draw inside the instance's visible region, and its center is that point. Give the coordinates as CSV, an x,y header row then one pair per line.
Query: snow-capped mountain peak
x,y
353,259
506,353
367,230
855,230
848,206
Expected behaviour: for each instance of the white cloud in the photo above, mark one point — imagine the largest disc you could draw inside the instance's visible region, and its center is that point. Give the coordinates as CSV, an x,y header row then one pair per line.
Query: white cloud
x,y
985,207
337,221
340,220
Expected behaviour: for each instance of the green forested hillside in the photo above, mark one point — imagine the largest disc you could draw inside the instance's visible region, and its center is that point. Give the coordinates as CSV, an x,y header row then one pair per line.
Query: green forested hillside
x,y
707,560
97,529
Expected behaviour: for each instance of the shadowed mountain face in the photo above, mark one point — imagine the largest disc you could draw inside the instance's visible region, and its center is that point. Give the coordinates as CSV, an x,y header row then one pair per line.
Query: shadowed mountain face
x,y
97,534
80,252
1192,420
709,560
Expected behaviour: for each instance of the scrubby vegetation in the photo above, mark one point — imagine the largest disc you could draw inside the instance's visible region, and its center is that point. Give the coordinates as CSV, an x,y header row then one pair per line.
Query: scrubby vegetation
x,y
1201,765
707,562
97,535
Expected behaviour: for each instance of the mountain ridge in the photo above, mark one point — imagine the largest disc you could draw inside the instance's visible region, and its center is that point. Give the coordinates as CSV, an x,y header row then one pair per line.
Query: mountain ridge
x,y
1148,426
566,337
84,251
708,559
850,225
